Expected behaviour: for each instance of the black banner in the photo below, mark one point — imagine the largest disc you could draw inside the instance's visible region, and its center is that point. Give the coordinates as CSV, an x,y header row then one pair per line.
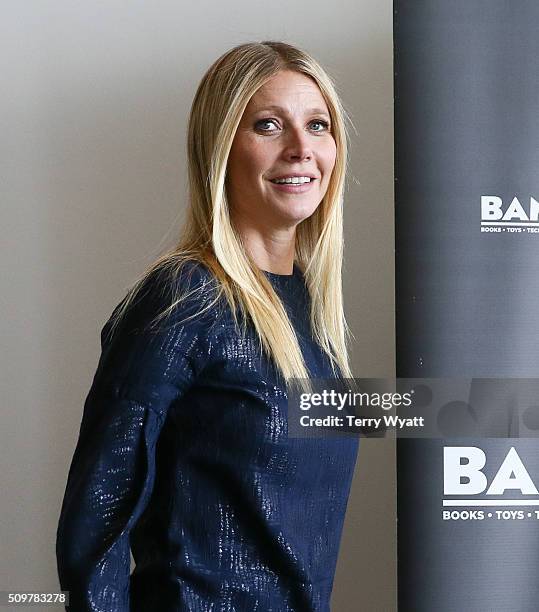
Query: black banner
x,y
467,290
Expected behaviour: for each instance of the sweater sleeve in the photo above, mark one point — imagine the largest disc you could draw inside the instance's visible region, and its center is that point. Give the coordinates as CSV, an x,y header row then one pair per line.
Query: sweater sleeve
x,y
141,372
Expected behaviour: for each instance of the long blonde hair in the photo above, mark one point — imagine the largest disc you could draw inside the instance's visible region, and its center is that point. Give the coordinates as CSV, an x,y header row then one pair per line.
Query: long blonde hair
x,y
209,237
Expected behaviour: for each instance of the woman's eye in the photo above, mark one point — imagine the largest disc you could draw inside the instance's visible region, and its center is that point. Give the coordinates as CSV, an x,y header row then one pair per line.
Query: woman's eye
x,y
267,125
319,125
271,125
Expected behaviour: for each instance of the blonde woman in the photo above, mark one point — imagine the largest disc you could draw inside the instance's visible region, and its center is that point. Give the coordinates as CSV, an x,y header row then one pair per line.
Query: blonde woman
x,y
183,454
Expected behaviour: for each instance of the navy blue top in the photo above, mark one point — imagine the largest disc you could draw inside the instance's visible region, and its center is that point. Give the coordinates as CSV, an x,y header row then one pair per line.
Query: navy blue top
x,y
184,456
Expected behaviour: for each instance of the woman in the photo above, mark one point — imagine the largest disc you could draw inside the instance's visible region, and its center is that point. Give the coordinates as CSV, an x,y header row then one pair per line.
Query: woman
x,y
183,453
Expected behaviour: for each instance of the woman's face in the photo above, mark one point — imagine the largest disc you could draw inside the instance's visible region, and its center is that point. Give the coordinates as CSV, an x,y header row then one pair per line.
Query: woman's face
x,y
284,136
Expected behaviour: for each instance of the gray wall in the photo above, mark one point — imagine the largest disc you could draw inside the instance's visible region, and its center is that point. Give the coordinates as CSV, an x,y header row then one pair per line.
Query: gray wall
x,y
93,115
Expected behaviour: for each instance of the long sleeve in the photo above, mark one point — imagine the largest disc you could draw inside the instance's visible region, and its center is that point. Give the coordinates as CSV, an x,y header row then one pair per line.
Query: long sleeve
x,y
140,374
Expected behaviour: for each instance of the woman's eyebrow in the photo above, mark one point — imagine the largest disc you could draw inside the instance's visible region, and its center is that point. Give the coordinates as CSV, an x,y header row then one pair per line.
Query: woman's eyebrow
x,y
276,107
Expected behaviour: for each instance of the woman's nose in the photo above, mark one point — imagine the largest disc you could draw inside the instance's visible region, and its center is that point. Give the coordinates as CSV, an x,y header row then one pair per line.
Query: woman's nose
x,y
298,147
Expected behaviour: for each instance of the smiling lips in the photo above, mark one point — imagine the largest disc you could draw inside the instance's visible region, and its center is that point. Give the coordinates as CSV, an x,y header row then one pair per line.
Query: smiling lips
x,y
299,183
292,180
293,184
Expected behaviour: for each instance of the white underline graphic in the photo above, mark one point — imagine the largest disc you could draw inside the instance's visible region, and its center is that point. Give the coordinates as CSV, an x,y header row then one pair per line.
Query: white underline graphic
x,y
516,223
491,502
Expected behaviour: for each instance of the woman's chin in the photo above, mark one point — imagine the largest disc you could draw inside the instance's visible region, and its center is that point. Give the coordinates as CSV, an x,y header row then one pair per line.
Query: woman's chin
x,y
295,214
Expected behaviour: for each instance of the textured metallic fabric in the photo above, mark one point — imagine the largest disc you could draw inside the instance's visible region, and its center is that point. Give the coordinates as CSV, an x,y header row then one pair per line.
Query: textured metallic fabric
x,y
184,456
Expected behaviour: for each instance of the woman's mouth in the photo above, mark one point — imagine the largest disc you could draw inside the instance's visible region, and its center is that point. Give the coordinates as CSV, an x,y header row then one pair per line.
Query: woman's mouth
x,y
293,184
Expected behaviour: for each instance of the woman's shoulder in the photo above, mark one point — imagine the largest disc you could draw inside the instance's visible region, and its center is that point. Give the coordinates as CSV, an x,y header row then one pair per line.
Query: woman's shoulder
x,y
189,274
160,332
166,297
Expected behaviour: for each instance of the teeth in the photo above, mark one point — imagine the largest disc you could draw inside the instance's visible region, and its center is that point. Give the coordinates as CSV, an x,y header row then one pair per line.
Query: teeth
x,y
293,180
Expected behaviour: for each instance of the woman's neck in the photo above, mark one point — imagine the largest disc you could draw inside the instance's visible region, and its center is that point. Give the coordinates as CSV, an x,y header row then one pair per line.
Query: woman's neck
x,y
272,251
